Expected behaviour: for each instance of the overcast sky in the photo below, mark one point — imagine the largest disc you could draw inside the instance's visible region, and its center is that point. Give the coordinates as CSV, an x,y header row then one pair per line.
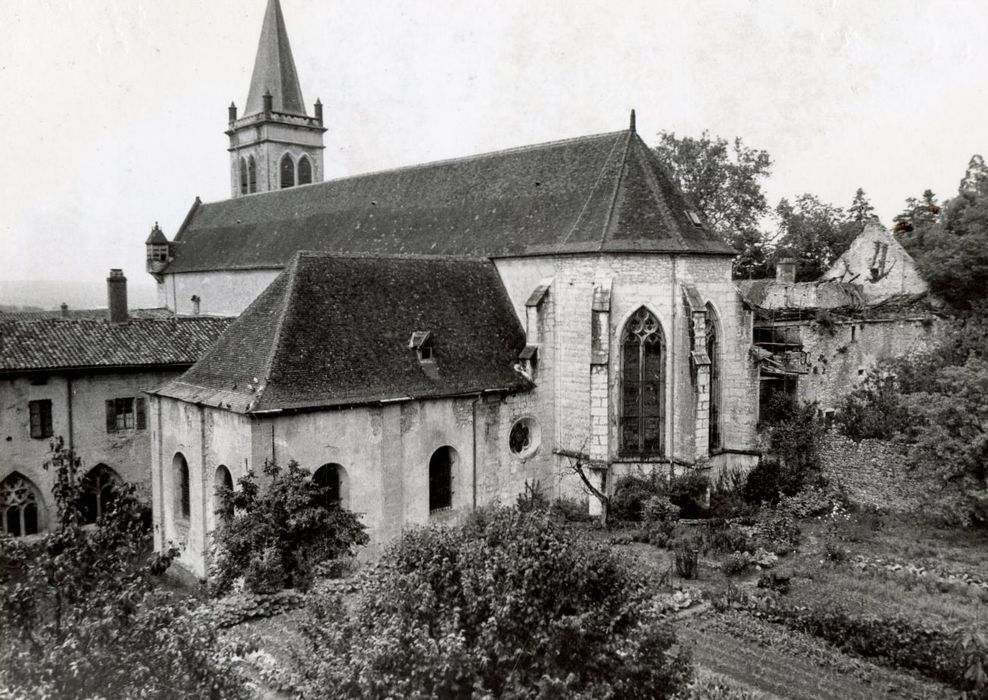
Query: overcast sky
x,y
112,114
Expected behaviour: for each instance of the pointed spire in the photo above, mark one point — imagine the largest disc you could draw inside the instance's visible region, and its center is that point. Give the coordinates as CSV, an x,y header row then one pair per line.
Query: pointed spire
x,y
274,68
632,125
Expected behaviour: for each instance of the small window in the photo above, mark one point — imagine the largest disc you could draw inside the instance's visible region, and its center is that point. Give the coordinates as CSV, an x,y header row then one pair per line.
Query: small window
x,y
287,171
421,341
40,418
125,414
183,495
694,218
304,171
524,438
854,333
441,479
329,478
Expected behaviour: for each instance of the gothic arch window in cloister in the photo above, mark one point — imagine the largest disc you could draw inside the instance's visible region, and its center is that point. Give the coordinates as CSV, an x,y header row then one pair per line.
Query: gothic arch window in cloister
x,y
713,352
98,492
643,386
287,170
332,479
304,171
20,507
183,495
222,488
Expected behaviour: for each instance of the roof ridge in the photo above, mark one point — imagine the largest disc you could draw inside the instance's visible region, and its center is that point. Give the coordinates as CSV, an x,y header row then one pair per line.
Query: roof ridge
x,y
590,194
430,164
392,256
617,188
291,271
656,190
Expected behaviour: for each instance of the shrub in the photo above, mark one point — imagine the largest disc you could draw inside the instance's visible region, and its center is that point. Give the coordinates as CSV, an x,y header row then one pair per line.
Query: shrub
x,y
510,605
533,498
82,619
572,510
777,581
874,409
689,492
727,496
777,532
729,538
631,492
279,536
763,484
736,564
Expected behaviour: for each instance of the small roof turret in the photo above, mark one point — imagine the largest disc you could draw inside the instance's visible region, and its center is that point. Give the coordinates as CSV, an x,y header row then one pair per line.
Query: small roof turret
x,y
156,237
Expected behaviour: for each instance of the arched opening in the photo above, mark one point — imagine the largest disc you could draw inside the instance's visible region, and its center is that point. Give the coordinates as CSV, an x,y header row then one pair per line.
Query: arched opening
x,y
287,170
20,506
251,174
304,171
183,496
643,386
243,176
713,352
441,478
99,492
332,479
223,488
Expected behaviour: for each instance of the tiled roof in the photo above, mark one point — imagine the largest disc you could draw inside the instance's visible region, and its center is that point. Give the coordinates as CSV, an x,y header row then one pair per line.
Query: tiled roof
x,y
334,330
597,193
32,343
78,314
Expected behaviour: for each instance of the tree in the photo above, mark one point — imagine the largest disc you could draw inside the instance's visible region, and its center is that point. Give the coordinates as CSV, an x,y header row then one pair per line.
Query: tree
x,y
918,217
280,534
724,180
861,209
508,605
82,616
813,232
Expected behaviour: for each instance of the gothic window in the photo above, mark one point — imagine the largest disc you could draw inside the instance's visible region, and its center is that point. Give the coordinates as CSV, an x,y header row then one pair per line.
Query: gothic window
x,y
329,477
98,492
304,171
40,412
524,437
223,488
251,174
19,505
643,386
441,479
713,352
183,495
287,171
244,182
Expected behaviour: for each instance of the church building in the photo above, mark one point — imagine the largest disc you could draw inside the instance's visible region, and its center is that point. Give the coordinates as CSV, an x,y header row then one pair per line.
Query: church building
x,y
429,339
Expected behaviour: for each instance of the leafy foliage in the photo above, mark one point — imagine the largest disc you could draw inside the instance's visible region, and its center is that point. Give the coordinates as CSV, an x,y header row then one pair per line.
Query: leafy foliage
x,y
508,605
81,614
280,534
814,233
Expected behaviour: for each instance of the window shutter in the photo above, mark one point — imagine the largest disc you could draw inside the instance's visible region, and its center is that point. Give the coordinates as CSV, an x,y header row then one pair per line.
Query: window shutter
x,y
142,423
46,419
111,416
35,410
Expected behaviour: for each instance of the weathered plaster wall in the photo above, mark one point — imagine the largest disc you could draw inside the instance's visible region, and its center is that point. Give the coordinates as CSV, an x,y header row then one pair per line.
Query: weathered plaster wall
x,y
127,452
220,293
897,276
838,362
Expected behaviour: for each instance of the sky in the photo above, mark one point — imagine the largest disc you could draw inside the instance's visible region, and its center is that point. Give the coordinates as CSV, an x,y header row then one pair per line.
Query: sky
x,y
112,113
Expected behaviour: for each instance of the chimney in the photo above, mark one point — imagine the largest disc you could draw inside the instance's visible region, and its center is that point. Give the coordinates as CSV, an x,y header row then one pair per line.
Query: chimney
x,y
232,111
65,310
116,294
785,271
195,304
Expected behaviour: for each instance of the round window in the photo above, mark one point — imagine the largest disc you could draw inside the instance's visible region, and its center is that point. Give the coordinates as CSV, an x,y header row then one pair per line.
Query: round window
x,y
524,437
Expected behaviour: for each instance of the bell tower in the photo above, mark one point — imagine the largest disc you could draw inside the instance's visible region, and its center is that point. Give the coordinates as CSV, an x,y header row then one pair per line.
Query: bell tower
x,y
274,144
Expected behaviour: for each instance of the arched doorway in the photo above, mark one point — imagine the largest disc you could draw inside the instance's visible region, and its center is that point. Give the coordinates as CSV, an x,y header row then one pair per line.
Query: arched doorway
x,y
222,490
332,479
99,491
20,506
441,466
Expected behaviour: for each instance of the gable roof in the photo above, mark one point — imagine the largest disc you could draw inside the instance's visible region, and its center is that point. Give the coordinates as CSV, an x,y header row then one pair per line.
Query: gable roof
x,y
274,68
604,193
32,342
334,331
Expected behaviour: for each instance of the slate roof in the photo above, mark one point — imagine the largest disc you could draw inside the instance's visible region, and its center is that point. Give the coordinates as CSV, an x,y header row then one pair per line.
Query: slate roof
x,y
274,68
32,343
604,193
334,331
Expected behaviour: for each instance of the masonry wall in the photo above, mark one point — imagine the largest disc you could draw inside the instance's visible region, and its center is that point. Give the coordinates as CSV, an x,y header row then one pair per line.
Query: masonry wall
x,y
384,452
653,281
220,293
79,402
839,358
898,275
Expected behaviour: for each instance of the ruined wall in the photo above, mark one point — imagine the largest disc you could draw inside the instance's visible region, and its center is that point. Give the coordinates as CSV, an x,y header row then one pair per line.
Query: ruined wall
x,y
839,357
78,401
896,270
874,472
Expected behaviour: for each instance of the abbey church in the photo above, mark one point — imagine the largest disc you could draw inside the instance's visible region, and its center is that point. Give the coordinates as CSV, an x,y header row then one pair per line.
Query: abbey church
x,y
428,339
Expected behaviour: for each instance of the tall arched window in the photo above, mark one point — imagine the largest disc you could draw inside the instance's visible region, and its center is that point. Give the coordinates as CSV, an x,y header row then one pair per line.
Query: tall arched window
x,y
713,352
332,479
251,174
287,171
98,492
20,506
643,386
304,171
441,478
243,176
223,487
183,495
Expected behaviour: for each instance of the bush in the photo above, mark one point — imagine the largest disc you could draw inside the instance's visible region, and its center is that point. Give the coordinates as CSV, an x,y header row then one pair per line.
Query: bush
x,y
727,538
510,605
764,483
278,537
689,492
630,494
736,564
777,532
532,499
572,510
727,496
82,619
874,409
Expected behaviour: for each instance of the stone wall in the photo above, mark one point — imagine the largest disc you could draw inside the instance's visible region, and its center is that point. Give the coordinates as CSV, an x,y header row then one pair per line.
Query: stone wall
x,y
873,472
